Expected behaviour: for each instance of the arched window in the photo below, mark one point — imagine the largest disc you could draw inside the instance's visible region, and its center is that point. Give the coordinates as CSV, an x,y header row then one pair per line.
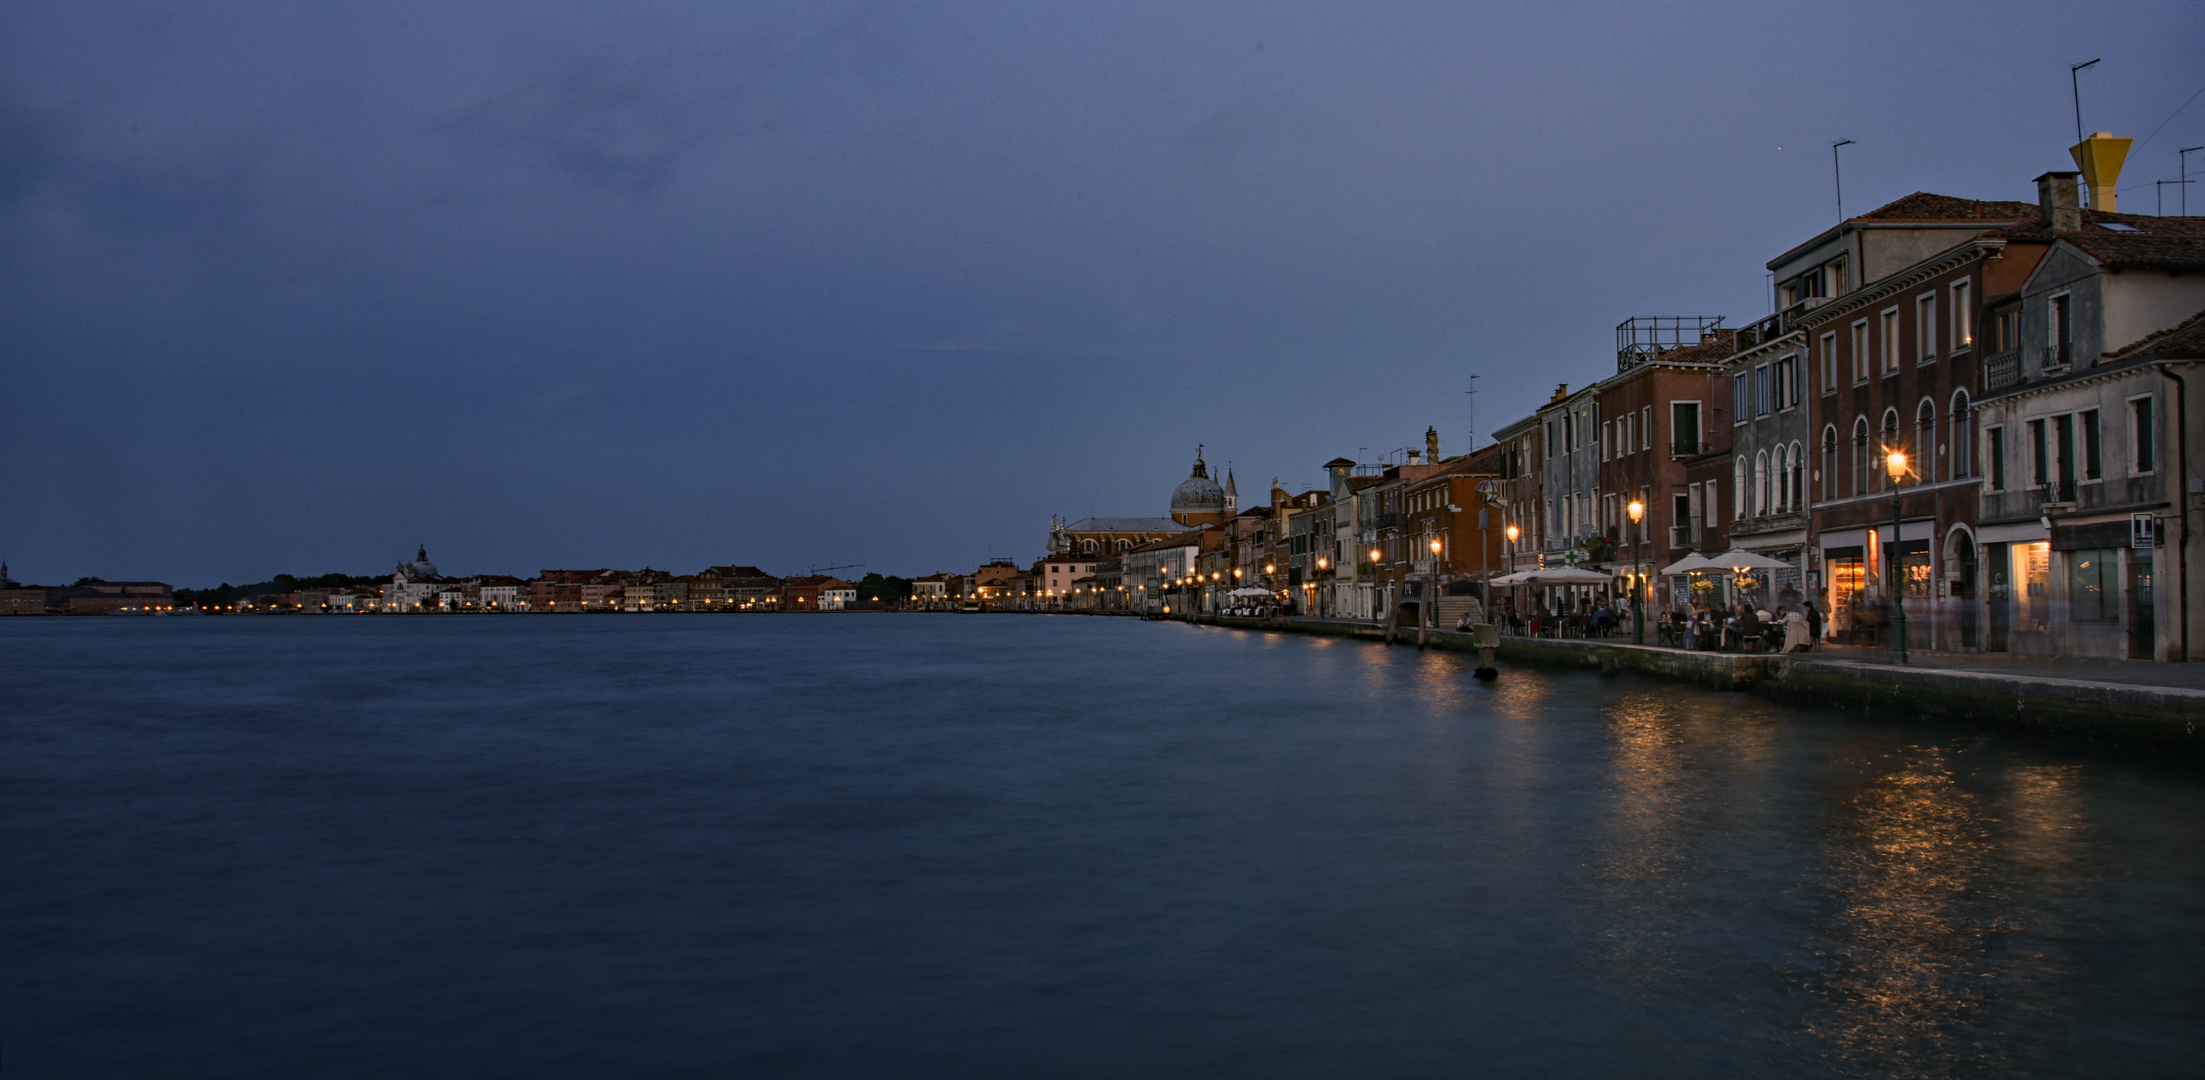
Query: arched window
x,y
1799,478
1124,546
1963,437
1860,456
1890,436
1087,546
1739,508
1925,442
1761,483
1830,462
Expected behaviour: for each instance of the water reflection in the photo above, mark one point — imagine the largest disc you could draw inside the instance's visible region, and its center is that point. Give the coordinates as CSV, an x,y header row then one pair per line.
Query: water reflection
x,y
1906,966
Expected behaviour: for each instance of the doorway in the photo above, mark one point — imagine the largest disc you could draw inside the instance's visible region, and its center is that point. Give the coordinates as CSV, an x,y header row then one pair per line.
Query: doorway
x,y
2143,633
1960,561
1998,589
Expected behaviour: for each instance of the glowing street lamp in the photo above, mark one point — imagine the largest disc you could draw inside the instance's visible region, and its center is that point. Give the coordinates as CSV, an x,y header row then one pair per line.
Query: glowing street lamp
x,y
1894,465
1638,577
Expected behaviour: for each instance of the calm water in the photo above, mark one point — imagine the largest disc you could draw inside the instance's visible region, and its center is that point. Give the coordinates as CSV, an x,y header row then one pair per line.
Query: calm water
x,y
1018,847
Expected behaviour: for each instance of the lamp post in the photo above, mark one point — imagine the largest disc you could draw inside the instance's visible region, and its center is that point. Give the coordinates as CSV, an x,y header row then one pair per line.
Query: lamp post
x,y
1894,464
1638,577
1432,588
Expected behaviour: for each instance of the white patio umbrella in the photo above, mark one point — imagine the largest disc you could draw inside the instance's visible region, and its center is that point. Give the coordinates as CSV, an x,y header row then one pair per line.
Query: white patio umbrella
x,y
1741,561
1694,563
1249,591
1566,575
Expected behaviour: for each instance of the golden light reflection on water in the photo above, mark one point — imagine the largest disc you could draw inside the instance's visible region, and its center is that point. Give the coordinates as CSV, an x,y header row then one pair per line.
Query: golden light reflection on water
x,y
1912,957
1676,759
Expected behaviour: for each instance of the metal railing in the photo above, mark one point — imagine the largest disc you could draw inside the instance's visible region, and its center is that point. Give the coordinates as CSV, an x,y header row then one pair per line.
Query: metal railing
x,y
1686,447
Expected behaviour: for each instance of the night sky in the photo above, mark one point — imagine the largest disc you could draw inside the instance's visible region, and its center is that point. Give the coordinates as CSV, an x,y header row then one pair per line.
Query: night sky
x,y
293,287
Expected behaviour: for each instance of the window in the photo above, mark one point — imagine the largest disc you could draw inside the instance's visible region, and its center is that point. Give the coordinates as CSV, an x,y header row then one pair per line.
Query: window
x,y
1925,328
1680,508
1829,362
1607,439
1963,437
1741,400
1761,390
1646,428
1837,278
1087,546
1860,351
2140,429
2094,585
1760,483
1692,511
1796,498
1888,340
2063,331
1738,484
1786,383
1684,427
1860,456
1995,451
2093,465
2063,439
1963,316
1925,442
1830,462
1714,517
2009,330
2040,465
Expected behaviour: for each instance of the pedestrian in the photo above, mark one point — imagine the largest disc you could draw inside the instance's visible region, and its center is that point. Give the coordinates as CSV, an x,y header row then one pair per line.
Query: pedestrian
x,y
1795,630
1814,624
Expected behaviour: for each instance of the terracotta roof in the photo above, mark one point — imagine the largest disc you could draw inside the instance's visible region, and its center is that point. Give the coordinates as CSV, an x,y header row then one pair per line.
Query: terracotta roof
x,y
1924,206
2184,340
2149,243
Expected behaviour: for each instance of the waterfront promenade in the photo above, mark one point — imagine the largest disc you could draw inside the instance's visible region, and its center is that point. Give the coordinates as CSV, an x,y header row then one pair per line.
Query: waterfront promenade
x,y
2131,700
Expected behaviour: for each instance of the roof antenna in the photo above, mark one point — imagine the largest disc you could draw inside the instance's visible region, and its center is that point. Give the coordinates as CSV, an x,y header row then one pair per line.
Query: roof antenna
x,y
1473,393
2184,157
1837,173
2074,82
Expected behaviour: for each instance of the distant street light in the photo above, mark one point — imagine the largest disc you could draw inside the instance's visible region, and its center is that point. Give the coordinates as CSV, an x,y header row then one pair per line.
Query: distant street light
x,y
1894,464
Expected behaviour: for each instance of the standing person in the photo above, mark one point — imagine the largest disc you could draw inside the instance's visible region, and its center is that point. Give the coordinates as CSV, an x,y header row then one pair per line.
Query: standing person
x,y
1795,630
1814,624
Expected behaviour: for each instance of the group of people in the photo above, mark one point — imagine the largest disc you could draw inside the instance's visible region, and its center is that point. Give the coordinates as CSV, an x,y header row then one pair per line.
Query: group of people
x,y
1745,628
1594,618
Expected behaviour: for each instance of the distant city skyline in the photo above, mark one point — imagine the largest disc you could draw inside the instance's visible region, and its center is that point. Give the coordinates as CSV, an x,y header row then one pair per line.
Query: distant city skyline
x,y
297,290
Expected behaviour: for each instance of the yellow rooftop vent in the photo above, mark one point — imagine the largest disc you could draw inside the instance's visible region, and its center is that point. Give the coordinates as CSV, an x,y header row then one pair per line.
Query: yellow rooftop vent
x,y
2100,158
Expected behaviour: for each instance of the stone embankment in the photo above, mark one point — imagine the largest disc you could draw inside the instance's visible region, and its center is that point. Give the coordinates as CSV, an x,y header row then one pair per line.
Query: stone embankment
x,y
2128,711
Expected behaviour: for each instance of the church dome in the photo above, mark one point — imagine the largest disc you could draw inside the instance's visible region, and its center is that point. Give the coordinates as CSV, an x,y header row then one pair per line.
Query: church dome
x,y
420,569
1198,494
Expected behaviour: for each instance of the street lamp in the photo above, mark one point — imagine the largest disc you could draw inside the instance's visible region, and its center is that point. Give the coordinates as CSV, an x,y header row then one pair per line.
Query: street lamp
x,y
1638,577
1432,601
1894,464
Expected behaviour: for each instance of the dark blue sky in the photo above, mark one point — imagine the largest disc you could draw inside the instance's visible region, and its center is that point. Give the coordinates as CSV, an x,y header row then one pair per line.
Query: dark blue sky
x,y
292,288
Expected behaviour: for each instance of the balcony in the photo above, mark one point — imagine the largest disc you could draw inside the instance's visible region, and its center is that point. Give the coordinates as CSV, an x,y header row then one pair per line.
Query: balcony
x,y
1684,537
1687,448
2002,370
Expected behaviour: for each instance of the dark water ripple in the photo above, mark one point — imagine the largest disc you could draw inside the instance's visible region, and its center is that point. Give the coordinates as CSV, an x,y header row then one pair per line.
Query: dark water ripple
x,y
997,846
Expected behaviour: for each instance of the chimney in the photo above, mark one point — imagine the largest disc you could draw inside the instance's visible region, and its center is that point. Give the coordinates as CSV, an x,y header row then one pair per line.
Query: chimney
x,y
1431,444
2058,202
1561,390
2100,158
1416,457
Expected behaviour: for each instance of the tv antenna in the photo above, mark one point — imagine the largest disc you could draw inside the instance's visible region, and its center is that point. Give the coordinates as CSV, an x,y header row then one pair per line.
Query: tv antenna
x,y
2184,158
1472,393
2074,82
1837,173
